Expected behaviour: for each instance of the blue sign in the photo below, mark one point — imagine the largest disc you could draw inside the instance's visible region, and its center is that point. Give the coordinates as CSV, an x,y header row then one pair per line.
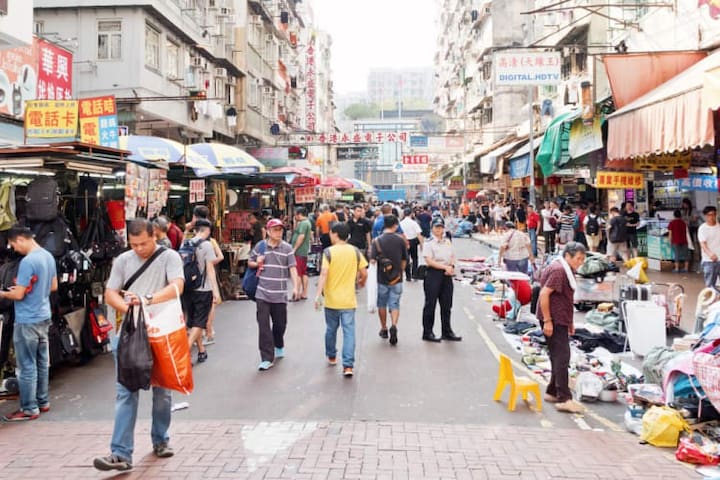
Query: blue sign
x,y
419,141
703,183
108,131
520,166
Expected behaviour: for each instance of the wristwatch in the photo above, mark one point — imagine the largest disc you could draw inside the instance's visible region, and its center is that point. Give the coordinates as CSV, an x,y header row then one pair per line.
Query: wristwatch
x,y
149,298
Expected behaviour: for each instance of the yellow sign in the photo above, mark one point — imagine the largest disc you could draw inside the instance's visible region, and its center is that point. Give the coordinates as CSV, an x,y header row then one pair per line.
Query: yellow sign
x,y
620,180
663,162
51,118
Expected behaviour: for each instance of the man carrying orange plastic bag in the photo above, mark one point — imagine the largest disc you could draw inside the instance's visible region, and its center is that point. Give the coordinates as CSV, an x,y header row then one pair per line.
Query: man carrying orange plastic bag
x,y
150,275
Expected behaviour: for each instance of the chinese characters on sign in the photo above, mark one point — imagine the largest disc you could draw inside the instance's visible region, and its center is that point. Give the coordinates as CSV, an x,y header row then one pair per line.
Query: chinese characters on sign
x,y
351,138
629,180
51,118
456,183
197,191
327,193
415,163
705,183
305,195
527,68
98,121
310,122
54,78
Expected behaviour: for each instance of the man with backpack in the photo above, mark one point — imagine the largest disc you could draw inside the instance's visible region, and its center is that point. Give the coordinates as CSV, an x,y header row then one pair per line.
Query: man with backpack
x,y
593,229
343,267
389,251
201,288
36,278
144,274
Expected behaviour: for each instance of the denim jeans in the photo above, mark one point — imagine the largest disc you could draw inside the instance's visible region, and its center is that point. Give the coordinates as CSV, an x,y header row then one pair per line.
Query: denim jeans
x,y
517,265
346,319
126,405
389,296
711,272
533,240
33,360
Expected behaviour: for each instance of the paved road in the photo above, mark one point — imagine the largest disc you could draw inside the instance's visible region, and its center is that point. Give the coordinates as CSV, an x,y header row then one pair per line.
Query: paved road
x,y
418,407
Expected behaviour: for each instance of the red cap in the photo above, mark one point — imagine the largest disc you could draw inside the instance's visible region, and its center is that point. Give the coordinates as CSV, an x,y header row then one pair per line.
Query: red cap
x,y
273,222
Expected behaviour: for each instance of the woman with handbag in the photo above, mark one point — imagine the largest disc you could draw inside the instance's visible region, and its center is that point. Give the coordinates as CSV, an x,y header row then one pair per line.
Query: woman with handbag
x,y
516,250
438,286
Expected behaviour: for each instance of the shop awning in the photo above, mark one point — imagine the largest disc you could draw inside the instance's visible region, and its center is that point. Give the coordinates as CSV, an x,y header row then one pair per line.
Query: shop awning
x,y
553,152
158,151
492,162
673,117
76,156
227,158
525,149
297,176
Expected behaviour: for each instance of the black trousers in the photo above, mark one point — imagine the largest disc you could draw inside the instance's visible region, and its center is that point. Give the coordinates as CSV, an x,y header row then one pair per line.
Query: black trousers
x,y
325,240
559,350
411,267
437,286
271,337
549,241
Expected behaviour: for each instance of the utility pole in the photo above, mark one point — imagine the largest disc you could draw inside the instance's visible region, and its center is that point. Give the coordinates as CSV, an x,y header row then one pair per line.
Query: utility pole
x,y
531,111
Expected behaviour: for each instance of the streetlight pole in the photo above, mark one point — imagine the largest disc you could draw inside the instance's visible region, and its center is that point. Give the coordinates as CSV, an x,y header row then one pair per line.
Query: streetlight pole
x,y
531,113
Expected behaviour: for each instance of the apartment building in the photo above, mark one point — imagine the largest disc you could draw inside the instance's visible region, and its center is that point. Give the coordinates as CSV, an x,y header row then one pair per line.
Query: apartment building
x,y
388,86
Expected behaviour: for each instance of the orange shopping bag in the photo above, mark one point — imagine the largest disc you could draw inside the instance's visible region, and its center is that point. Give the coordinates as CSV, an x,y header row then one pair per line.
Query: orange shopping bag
x,y
168,339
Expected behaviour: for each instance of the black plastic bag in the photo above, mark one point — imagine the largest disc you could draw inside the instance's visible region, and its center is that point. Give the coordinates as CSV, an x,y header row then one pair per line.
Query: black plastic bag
x,y
134,356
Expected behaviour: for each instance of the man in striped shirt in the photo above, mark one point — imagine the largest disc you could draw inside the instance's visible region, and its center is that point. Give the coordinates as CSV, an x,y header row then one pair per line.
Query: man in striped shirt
x,y
275,261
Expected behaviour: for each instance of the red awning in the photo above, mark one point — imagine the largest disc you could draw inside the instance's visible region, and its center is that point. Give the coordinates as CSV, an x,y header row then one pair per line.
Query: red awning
x,y
673,117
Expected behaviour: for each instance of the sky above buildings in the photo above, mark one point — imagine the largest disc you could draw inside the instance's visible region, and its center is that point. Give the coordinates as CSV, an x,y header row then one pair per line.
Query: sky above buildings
x,y
376,34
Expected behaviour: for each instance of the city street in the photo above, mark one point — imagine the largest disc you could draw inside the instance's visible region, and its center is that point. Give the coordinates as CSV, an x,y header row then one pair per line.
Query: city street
x,y
417,410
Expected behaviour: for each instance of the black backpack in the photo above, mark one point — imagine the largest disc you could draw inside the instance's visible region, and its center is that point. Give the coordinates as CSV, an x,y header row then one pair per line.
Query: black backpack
x,y
54,236
42,199
8,274
194,277
593,226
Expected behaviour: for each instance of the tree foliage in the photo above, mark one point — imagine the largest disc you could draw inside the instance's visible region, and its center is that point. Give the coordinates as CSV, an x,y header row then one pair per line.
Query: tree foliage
x,y
358,111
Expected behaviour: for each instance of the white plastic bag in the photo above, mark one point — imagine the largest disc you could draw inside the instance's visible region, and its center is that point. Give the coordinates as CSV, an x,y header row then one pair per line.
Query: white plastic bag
x,y
634,272
372,288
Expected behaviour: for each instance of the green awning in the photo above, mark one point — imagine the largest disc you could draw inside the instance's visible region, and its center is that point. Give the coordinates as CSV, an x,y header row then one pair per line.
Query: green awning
x,y
553,152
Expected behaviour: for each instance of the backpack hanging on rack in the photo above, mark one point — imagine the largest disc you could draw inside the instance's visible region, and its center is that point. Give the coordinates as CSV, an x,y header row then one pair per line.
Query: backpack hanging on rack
x,y
86,200
42,199
7,206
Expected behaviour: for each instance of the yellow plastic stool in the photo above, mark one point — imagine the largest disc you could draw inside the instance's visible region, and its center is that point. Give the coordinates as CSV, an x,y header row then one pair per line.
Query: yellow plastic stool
x,y
518,385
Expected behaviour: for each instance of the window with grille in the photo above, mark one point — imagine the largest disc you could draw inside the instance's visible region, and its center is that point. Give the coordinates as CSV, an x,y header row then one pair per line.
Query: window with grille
x,y
109,40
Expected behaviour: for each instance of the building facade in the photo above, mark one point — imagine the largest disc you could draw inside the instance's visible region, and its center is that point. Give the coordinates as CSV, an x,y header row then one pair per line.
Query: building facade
x,y
387,86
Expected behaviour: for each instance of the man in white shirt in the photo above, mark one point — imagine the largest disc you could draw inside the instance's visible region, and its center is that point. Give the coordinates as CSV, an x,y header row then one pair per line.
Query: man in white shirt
x,y
499,218
550,215
709,238
413,233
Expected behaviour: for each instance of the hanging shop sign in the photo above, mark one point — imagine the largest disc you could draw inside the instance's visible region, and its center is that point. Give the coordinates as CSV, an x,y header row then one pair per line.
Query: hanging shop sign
x,y
238,220
584,138
630,180
327,193
520,167
527,68
40,71
419,141
663,162
456,183
358,153
310,115
415,163
350,138
51,119
702,183
305,195
197,191
98,121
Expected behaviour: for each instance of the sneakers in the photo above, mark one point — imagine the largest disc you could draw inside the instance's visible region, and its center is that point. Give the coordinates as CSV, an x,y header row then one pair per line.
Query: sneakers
x,y
279,352
383,333
208,341
45,408
332,361
202,357
163,451
112,462
265,365
393,335
570,406
348,372
20,416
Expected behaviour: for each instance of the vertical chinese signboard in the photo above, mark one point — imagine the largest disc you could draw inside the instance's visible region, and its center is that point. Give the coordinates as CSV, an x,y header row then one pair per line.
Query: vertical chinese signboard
x,y
310,120
98,121
41,71
51,119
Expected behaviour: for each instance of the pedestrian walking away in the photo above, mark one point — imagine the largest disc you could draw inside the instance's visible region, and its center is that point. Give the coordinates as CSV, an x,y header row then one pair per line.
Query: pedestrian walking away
x,y
273,267
302,234
389,251
632,221
438,285
617,236
36,279
323,224
593,229
678,233
709,238
343,268
533,224
551,221
555,311
413,233
159,281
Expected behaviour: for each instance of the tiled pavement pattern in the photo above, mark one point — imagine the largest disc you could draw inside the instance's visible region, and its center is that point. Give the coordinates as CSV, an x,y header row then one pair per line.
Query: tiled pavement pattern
x,y
338,450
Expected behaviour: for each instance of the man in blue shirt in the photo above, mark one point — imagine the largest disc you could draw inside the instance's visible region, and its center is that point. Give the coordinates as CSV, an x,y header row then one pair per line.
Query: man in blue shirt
x,y
36,278
379,225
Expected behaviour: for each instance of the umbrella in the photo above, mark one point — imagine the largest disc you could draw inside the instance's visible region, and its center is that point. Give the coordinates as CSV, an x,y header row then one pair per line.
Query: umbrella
x,y
227,158
337,182
301,176
361,186
147,149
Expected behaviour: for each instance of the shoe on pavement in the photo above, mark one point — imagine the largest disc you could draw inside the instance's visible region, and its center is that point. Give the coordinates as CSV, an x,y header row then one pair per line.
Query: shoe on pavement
x,y
208,341
20,416
163,451
550,398
431,338
570,406
265,365
279,352
452,337
332,361
383,333
393,335
348,372
112,462
45,408
202,357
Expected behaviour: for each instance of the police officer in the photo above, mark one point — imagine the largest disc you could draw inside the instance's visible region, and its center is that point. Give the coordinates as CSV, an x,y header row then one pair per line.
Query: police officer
x,y
440,260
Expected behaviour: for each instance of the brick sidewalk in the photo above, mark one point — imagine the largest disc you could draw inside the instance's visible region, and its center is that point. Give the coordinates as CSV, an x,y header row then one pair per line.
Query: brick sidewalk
x,y
338,450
